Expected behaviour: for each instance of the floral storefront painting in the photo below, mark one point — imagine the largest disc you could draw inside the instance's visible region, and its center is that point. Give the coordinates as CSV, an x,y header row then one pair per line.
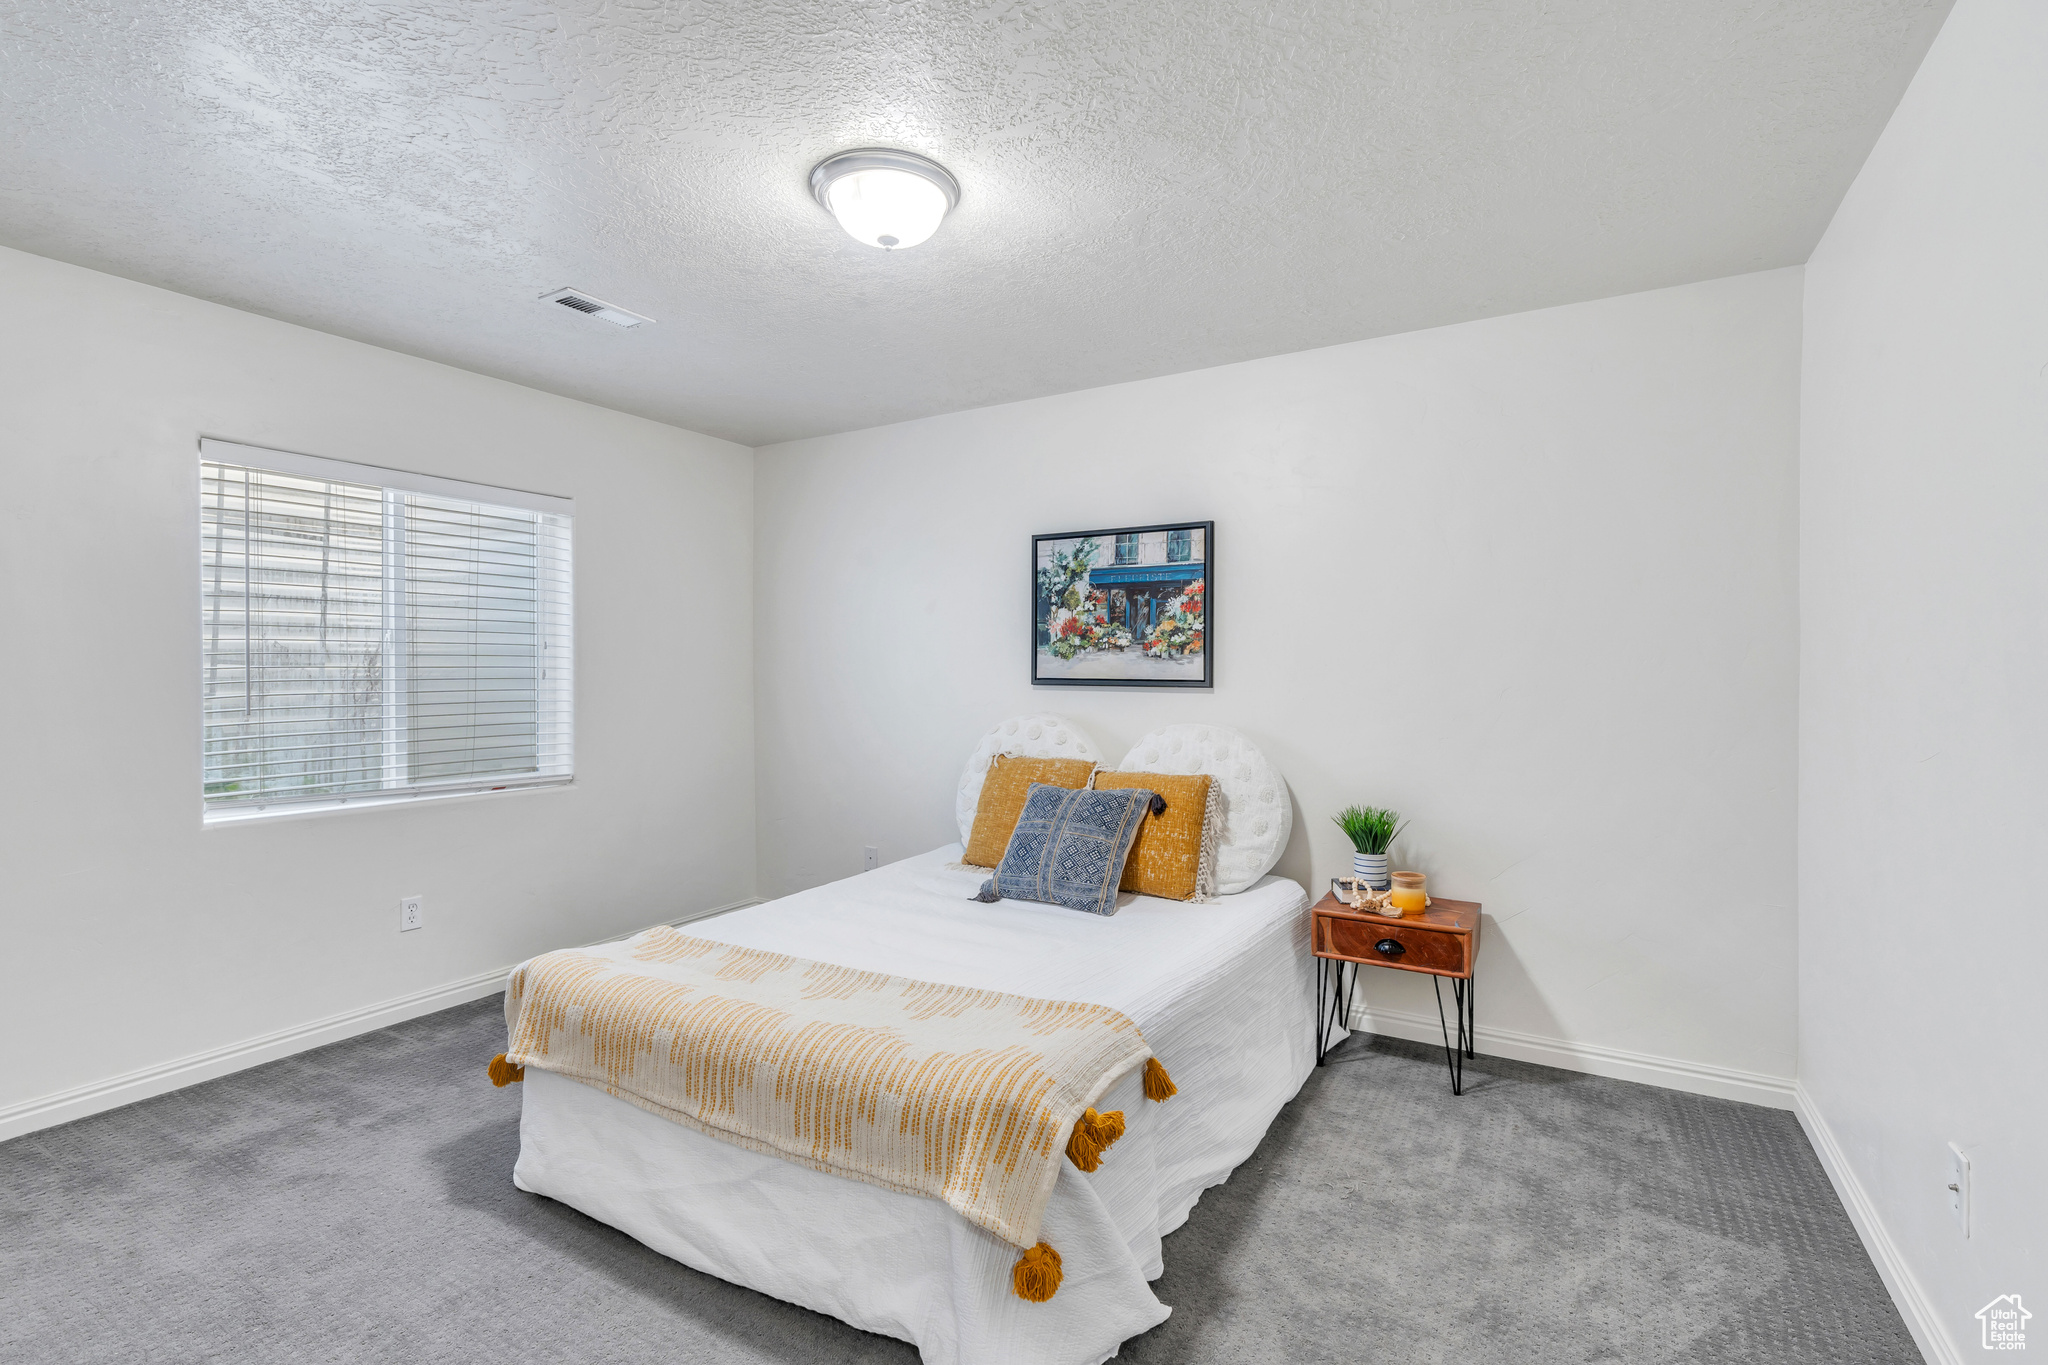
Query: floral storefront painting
x,y
1123,608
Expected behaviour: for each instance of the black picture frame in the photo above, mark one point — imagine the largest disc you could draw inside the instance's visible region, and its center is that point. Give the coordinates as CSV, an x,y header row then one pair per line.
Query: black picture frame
x,y
1147,569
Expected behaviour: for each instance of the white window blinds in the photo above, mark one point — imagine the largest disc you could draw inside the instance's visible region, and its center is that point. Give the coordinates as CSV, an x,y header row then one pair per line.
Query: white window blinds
x,y
372,635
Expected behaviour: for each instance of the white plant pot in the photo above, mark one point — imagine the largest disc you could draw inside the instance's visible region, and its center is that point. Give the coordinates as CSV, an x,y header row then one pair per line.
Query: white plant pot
x,y
1372,867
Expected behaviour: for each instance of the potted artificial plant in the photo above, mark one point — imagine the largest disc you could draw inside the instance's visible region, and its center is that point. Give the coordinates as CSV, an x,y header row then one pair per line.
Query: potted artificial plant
x,y
1371,830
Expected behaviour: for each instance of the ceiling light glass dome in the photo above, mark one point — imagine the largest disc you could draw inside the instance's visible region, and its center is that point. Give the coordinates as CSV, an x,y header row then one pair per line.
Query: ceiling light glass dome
x,y
885,198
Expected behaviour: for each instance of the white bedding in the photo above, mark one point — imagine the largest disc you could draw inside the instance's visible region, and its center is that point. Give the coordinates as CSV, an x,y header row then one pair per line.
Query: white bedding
x,y
1223,992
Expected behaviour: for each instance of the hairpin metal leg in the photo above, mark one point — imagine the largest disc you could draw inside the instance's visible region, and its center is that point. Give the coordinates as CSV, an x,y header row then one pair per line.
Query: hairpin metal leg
x,y
1471,1014
1330,987
1455,1055
1322,985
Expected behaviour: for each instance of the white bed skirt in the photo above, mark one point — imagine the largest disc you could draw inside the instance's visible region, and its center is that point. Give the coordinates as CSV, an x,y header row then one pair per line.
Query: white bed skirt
x,y
1223,992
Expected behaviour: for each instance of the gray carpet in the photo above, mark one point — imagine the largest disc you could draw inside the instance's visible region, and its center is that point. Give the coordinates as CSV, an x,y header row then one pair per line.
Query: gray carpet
x,y
356,1204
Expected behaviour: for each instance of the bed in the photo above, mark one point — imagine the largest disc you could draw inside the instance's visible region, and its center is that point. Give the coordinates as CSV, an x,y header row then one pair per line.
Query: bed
x,y
1223,991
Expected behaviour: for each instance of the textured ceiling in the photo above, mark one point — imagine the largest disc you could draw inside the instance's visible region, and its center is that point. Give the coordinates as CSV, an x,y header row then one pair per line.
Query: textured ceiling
x,y
1147,187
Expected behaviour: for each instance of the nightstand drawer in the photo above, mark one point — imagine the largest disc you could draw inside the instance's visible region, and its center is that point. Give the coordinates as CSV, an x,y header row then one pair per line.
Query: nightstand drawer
x,y
1393,945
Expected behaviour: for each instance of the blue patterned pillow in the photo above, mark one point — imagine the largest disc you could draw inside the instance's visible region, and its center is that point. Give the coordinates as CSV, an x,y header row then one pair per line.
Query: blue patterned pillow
x,y
1069,847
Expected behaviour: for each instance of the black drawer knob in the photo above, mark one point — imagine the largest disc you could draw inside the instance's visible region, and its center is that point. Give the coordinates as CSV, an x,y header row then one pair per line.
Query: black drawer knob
x,y
1391,947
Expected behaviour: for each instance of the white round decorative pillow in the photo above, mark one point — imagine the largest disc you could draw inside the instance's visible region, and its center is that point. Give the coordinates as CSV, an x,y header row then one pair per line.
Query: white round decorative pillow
x,y
1040,736
1257,815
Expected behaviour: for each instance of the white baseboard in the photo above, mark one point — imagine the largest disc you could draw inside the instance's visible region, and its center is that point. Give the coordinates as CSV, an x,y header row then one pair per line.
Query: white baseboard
x,y
707,914
1698,1078
47,1111
76,1103
1912,1301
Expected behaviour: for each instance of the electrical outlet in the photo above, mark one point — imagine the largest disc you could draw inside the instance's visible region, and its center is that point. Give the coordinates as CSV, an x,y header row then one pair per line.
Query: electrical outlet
x,y
1959,1187
870,858
409,913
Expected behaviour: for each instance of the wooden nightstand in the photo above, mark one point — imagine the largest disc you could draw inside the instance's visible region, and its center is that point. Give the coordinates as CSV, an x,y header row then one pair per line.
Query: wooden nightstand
x,y
1442,941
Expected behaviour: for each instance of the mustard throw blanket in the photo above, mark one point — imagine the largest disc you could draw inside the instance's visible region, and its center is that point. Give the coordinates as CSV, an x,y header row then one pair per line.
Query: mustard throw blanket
x,y
968,1096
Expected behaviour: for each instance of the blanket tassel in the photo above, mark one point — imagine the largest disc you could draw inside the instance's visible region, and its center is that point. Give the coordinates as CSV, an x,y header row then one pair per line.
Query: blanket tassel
x,y
1037,1276
1159,1086
504,1073
1093,1134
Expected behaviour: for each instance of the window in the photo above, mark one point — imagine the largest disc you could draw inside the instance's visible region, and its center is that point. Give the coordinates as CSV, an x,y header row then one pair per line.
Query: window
x,y
368,635
1127,549
1180,546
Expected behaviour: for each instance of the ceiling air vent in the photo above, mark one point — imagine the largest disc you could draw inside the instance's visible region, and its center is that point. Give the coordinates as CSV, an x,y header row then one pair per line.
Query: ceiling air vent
x,y
596,308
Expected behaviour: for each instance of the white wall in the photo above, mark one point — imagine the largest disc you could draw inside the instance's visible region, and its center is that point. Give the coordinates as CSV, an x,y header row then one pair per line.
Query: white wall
x,y
1530,580
1924,670
132,936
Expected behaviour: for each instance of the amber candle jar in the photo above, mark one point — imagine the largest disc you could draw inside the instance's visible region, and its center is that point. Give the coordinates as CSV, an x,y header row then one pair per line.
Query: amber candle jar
x,y
1410,895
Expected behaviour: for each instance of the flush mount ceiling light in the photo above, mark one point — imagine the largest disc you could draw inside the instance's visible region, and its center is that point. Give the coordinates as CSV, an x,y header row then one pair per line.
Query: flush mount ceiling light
x,y
885,198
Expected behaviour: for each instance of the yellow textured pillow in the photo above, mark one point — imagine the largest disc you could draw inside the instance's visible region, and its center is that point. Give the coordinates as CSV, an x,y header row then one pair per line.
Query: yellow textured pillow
x,y
1002,799
1173,852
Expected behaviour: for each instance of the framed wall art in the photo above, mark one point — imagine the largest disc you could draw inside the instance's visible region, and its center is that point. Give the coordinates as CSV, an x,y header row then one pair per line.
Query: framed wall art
x,y
1127,607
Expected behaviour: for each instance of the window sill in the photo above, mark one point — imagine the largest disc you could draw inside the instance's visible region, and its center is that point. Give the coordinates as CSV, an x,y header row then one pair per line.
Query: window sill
x,y
303,810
